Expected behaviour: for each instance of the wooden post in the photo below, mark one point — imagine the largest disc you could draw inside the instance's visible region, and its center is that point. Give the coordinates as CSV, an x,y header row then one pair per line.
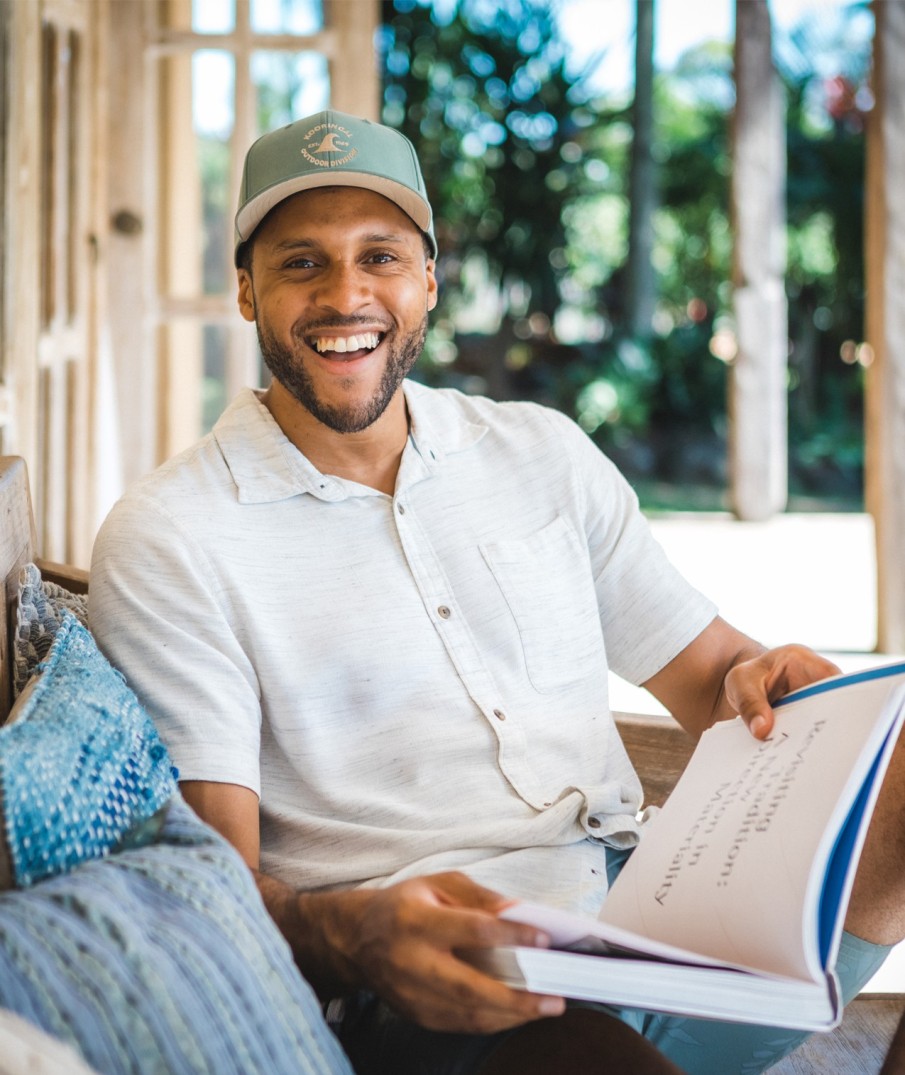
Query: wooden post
x,y
641,285
885,323
758,394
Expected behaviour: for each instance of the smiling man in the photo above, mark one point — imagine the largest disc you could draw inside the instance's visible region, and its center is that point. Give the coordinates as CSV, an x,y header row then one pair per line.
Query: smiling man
x,y
338,371
374,623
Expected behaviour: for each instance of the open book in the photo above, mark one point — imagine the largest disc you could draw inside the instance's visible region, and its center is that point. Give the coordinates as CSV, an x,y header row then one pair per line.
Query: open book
x,y
733,904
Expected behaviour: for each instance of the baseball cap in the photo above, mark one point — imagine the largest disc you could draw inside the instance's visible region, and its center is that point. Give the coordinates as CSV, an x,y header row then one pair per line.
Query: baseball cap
x,y
331,149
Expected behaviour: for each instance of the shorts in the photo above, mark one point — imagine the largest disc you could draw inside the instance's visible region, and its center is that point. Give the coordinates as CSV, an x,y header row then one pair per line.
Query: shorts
x,y
378,1041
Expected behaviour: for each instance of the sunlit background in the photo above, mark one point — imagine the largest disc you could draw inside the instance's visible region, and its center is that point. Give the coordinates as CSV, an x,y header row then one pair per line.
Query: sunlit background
x,y
534,240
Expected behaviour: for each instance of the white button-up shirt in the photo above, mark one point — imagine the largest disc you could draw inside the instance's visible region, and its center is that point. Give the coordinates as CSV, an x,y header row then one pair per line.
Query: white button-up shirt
x,y
409,683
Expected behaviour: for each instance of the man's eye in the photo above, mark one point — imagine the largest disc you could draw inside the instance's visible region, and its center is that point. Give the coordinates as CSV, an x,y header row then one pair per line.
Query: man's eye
x,y
383,257
299,263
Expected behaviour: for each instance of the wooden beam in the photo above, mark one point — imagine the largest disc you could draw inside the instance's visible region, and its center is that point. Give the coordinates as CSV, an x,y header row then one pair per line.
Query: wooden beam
x,y
354,83
17,547
757,396
885,323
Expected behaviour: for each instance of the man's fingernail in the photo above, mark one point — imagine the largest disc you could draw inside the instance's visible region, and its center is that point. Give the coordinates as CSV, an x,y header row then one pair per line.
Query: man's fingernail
x,y
551,1006
759,725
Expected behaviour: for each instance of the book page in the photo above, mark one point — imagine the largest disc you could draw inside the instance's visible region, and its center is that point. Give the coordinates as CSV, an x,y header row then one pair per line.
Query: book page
x,y
734,865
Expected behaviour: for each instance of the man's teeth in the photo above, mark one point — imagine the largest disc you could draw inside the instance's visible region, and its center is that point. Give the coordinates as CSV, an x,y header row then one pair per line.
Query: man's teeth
x,y
366,342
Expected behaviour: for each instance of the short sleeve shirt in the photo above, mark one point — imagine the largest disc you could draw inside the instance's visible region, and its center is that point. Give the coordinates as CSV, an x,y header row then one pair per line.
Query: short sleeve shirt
x,y
410,683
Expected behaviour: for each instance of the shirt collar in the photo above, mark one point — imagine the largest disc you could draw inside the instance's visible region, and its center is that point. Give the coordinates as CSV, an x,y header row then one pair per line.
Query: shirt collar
x,y
266,466
439,428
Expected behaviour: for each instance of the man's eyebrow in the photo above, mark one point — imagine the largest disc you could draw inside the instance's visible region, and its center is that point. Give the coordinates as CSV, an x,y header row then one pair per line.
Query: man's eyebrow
x,y
289,245
293,244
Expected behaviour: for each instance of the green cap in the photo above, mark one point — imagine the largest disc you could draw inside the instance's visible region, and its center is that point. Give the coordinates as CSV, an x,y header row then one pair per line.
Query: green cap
x,y
331,149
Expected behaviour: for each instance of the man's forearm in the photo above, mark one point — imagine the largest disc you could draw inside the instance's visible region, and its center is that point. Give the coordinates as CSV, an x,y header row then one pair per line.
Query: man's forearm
x,y
402,943
692,686
312,924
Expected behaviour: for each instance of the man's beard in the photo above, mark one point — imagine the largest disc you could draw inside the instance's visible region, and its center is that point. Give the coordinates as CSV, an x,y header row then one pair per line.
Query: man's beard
x,y
286,367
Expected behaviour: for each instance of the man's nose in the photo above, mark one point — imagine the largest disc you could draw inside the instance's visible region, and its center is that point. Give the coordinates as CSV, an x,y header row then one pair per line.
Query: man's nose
x,y
343,287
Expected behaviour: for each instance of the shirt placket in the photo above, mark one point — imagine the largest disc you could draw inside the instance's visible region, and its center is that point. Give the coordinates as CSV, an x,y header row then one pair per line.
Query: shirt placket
x,y
451,624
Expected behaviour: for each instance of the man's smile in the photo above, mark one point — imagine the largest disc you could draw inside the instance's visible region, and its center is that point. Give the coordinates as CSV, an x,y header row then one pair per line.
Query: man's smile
x,y
366,341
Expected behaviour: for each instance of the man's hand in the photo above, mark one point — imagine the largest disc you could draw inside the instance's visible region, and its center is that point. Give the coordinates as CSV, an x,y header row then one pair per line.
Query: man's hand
x,y
724,673
401,943
753,684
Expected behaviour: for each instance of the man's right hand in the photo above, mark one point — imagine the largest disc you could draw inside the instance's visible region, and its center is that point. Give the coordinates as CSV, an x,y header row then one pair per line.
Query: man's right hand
x,y
401,942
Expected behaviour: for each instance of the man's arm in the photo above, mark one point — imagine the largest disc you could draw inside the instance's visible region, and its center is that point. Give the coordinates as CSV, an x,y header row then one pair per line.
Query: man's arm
x,y
399,942
724,673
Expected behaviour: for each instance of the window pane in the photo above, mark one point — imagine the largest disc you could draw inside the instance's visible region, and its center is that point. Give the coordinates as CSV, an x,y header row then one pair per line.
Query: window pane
x,y
214,388
213,16
289,86
213,82
287,16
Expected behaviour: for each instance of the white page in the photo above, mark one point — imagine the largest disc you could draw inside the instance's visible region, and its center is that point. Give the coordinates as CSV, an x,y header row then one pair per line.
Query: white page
x,y
733,865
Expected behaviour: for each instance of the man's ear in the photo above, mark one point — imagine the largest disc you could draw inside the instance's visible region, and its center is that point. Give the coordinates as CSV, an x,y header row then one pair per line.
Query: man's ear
x,y
432,288
246,296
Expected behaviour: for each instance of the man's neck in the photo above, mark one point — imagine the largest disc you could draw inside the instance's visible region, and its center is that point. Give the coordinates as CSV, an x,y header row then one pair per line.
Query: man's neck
x,y
370,457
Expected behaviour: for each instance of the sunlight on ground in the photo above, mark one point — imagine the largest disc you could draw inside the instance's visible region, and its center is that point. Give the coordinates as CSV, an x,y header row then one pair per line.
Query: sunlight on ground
x,y
807,578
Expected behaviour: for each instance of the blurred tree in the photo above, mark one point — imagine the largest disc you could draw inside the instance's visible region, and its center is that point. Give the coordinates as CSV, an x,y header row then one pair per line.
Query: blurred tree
x,y
826,65
482,91
640,281
528,174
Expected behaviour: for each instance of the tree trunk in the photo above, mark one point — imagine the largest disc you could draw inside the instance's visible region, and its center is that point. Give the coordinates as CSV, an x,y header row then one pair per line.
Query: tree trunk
x,y
641,286
758,401
885,323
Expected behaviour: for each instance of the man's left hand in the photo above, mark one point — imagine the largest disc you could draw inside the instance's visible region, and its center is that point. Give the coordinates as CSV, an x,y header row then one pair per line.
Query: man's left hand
x,y
753,684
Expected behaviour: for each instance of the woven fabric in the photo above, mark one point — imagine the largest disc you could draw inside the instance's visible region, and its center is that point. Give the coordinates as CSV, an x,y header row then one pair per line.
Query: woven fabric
x,y
39,613
82,769
162,959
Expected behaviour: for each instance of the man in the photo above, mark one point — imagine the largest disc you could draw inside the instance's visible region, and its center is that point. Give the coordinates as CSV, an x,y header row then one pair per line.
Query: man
x,y
374,623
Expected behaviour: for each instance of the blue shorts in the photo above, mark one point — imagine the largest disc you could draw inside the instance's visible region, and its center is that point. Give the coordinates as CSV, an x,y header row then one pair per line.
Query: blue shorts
x,y
379,1041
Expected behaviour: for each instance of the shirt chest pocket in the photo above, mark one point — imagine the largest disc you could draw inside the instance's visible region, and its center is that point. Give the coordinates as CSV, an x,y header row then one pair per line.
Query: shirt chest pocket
x,y
546,581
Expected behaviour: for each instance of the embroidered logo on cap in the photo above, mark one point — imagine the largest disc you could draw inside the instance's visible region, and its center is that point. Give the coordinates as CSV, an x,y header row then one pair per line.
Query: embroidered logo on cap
x,y
328,138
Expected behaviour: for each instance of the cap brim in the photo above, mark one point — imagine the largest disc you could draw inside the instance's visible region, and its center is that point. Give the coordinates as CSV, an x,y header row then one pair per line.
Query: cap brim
x,y
252,213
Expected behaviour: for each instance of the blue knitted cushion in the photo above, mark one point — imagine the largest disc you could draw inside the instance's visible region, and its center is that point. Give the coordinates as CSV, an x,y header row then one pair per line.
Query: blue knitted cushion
x,y
82,769
40,606
137,935
162,959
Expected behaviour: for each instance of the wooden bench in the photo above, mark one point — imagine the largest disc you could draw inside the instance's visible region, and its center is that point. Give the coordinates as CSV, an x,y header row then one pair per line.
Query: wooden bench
x,y
657,746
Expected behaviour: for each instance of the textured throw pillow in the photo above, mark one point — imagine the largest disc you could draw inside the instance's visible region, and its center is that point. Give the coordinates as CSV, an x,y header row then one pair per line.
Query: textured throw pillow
x,y
82,769
137,935
39,613
162,959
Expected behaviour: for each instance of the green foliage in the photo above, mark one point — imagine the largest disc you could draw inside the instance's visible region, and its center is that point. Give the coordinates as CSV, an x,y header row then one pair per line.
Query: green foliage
x,y
483,93
528,175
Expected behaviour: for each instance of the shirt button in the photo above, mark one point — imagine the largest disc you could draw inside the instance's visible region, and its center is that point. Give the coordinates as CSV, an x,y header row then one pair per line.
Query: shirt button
x,y
594,822
444,612
499,714
401,509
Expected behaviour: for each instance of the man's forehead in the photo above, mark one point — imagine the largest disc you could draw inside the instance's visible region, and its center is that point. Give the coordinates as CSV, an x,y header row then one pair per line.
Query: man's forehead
x,y
353,212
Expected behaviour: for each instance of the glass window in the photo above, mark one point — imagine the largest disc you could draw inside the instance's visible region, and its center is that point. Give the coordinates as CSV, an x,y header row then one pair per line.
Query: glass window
x,y
207,352
289,85
214,393
213,96
213,16
287,16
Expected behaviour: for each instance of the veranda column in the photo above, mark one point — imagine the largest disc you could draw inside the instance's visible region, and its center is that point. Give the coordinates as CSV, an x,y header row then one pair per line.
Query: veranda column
x,y
885,322
758,450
